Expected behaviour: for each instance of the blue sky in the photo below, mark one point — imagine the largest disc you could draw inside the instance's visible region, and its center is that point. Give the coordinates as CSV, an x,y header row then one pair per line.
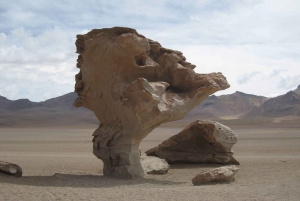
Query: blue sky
x,y
255,44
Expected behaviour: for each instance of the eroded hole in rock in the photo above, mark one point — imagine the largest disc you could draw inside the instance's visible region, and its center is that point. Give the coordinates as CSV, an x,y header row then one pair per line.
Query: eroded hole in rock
x,y
111,160
109,142
174,89
181,63
140,60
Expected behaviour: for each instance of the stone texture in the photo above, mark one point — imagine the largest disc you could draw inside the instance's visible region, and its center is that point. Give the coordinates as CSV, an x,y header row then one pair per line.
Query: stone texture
x,y
10,168
225,173
133,84
200,142
154,165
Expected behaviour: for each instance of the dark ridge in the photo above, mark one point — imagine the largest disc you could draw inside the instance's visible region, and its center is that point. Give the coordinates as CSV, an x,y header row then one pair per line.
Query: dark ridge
x,y
22,104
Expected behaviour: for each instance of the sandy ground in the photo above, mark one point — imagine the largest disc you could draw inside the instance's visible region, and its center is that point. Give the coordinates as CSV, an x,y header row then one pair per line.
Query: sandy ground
x,y
58,164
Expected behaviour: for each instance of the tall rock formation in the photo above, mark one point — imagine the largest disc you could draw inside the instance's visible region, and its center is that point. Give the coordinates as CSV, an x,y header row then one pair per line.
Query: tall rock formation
x,y
133,84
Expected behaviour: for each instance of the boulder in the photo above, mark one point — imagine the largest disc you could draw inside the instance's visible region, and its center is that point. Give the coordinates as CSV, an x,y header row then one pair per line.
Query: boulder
x,y
221,174
199,142
10,168
154,165
133,84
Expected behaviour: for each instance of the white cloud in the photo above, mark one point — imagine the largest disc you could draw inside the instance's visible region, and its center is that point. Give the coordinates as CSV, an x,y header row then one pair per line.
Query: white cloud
x,y
32,84
237,38
244,70
35,65
21,46
243,79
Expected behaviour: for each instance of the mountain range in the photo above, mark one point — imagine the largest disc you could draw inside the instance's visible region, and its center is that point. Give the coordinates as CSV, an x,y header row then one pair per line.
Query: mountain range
x,y
240,105
57,111
60,111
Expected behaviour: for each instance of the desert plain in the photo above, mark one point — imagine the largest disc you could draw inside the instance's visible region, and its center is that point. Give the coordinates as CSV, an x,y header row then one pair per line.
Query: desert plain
x,y
58,164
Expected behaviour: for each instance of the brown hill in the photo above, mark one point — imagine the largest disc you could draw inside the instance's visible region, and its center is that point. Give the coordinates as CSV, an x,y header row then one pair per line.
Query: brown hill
x,y
53,112
60,111
8,105
225,106
280,106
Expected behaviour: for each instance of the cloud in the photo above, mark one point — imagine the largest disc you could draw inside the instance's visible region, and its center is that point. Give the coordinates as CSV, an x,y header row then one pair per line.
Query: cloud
x,y
36,67
20,46
253,43
244,70
24,83
247,77
276,72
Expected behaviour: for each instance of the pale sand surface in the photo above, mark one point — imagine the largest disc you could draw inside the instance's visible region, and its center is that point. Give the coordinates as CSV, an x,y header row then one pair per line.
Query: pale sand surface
x,y
269,170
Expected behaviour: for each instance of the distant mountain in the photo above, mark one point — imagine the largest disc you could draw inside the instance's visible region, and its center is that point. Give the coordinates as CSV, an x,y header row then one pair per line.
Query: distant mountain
x,y
8,105
53,112
226,106
65,101
297,90
60,111
280,106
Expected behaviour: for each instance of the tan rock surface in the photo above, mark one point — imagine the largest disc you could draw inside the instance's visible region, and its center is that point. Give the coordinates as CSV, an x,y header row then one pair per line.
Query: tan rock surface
x,y
133,85
199,142
154,165
10,168
216,175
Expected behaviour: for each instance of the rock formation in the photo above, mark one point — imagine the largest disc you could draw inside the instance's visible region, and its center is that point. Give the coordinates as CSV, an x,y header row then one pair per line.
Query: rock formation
x,y
10,168
225,173
199,142
133,84
154,165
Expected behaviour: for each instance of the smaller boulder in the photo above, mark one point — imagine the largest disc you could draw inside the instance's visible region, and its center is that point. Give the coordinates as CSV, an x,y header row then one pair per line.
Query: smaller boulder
x,y
154,165
10,168
225,173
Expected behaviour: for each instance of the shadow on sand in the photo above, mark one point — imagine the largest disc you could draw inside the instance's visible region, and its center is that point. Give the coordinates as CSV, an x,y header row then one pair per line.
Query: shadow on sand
x,y
80,181
200,167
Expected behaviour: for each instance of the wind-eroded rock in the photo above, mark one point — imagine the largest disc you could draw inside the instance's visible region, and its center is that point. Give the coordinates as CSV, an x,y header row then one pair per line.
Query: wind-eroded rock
x,y
154,165
10,168
133,85
221,174
200,142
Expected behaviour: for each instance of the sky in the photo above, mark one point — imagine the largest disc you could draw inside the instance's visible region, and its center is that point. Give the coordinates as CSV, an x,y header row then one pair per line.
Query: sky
x,y
254,43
